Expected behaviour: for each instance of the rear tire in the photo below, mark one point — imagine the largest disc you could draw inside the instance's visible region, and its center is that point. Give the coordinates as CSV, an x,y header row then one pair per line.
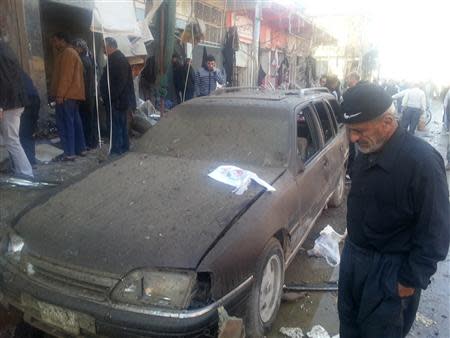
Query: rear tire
x,y
265,296
338,195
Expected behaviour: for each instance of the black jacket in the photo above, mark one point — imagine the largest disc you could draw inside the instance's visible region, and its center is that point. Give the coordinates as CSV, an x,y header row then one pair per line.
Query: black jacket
x,y
121,83
398,204
12,88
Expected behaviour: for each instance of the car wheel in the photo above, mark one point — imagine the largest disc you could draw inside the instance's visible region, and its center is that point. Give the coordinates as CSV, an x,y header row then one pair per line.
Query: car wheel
x,y
265,295
338,196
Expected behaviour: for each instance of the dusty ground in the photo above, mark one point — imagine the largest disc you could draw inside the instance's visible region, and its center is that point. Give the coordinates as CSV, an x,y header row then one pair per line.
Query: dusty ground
x,y
308,309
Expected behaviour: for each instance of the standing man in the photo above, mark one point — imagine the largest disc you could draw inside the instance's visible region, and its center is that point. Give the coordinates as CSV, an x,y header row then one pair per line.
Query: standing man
x,y
68,89
88,111
352,79
206,79
29,119
398,220
414,104
13,99
122,95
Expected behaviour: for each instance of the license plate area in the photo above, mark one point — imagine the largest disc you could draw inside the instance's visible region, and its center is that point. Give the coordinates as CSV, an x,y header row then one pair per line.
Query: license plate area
x,y
69,321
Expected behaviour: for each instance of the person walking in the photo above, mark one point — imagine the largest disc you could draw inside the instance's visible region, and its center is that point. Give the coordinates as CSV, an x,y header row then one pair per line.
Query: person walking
x,y
29,119
122,95
13,99
88,113
206,78
413,105
68,89
398,220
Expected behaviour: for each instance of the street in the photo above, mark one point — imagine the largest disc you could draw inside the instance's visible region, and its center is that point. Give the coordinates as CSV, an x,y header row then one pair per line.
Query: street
x,y
302,310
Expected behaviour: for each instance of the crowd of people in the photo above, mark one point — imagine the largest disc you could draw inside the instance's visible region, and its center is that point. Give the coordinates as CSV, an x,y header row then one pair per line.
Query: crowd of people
x,y
72,94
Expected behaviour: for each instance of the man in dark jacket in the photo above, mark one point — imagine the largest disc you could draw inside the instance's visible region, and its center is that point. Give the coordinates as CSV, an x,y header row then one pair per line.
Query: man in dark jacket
x,y
397,220
122,95
88,112
13,99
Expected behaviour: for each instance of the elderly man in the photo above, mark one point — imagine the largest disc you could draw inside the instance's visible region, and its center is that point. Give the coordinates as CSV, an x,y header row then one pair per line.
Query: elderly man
x,y
121,93
397,220
68,89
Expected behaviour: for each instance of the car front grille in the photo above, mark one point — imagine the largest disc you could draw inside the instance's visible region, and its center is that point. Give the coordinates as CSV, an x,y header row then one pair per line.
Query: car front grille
x,y
71,281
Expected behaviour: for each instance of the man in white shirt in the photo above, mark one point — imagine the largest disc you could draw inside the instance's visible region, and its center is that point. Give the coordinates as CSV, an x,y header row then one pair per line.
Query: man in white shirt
x,y
414,103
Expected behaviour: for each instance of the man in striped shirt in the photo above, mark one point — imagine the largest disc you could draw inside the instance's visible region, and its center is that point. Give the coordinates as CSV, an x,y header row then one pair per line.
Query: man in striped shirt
x,y
206,79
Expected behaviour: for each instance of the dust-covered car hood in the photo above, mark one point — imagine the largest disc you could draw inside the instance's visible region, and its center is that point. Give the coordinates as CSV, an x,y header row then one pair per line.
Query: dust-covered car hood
x,y
139,211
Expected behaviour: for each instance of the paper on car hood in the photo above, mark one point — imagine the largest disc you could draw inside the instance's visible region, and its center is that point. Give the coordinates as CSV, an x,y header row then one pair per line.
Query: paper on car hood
x,y
238,178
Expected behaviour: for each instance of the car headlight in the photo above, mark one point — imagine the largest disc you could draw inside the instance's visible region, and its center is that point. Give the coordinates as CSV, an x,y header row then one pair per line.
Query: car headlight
x,y
15,244
161,288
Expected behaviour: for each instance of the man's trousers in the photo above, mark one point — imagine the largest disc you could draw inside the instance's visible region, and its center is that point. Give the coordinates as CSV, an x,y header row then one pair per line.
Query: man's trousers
x,y
9,128
368,301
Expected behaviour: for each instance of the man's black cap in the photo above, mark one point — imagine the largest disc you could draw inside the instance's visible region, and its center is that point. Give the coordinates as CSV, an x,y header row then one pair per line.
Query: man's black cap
x,y
364,102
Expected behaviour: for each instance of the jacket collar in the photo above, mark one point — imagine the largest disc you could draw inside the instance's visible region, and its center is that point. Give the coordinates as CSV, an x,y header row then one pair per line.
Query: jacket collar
x,y
386,157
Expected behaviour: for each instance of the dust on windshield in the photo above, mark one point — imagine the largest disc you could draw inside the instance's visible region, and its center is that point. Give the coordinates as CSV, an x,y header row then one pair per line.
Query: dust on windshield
x,y
227,132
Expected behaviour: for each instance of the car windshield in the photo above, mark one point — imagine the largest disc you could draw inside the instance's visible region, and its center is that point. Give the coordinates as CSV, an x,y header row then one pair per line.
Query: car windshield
x,y
228,132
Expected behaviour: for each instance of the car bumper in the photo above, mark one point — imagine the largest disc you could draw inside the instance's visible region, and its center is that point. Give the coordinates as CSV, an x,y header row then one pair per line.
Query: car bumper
x,y
93,318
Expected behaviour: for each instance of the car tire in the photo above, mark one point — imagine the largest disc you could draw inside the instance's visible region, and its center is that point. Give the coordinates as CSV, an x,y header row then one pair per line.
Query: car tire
x,y
265,296
338,195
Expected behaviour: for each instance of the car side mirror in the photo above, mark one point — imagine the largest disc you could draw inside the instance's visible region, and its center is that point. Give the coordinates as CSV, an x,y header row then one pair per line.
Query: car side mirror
x,y
300,166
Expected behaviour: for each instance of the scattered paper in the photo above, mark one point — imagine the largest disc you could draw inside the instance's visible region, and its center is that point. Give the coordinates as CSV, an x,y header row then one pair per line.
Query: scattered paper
x,y
238,178
292,332
424,320
318,331
46,152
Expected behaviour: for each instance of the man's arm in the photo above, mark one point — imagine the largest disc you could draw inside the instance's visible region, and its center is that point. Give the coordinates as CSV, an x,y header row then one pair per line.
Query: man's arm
x,y
400,94
118,76
220,78
430,240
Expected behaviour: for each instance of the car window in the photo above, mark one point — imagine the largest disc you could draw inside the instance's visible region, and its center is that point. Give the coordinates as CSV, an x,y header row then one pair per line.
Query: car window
x,y
332,115
324,120
307,144
336,111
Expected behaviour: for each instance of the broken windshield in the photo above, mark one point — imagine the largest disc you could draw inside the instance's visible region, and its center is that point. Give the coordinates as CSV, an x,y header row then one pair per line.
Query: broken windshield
x,y
229,132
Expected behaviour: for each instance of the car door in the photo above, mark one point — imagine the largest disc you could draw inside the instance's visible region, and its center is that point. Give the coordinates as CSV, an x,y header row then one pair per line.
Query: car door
x,y
330,152
310,172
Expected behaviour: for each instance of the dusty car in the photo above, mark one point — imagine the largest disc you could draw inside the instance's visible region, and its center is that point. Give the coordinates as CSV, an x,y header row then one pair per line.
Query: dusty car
x,y
149,245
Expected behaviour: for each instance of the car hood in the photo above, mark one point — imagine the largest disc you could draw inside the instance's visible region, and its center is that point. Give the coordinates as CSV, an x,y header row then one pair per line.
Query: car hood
x,y
139,211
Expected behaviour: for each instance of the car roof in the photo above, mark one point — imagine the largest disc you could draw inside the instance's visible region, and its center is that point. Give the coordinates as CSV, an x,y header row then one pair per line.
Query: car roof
x,y
260,96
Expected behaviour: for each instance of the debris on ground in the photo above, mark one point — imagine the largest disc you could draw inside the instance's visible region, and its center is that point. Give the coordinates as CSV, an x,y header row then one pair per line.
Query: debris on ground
x,y
424,320
327,246
318,331
230,327
20,182
292,296
292,332
47,152
303,287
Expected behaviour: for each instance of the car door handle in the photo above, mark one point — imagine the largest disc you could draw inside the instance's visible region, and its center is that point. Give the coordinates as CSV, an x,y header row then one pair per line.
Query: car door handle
x,y
325,162
341,148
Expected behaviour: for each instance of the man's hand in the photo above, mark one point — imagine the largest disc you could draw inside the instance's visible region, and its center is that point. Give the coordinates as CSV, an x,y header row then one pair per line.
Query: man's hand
x,y
1,113
404,291
59,100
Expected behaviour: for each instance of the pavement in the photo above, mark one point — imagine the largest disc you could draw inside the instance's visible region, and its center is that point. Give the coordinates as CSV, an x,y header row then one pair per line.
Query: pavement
x,y
298,310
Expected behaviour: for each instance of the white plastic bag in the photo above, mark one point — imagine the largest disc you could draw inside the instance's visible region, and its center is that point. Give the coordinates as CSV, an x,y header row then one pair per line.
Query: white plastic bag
x,y
327,246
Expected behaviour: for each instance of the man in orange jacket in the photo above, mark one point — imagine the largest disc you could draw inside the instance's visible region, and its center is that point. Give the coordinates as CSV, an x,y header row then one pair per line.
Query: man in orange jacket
x,y
68,89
